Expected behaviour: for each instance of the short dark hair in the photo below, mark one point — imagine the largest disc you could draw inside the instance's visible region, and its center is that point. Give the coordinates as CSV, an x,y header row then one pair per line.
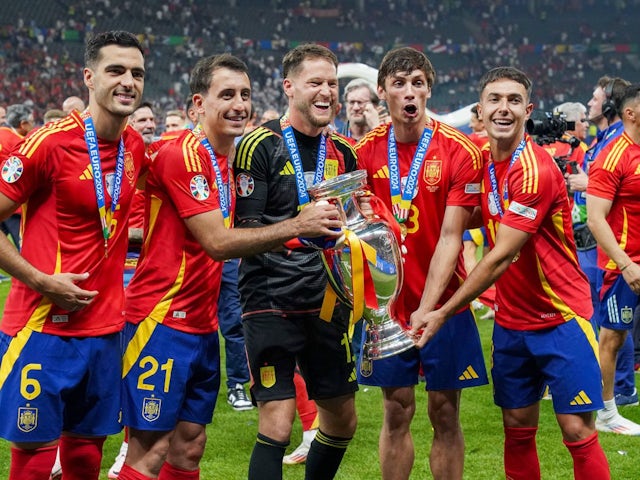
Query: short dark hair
x,y
509,73
294,57
112,37
202,73
631,94
474,111
144,104
405,60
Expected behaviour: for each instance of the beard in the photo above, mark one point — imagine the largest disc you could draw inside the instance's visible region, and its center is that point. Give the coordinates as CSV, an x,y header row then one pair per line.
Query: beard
x,y
314,120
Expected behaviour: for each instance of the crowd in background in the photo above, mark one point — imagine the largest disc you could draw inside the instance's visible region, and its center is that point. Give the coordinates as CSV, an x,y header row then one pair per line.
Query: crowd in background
x,y
564,46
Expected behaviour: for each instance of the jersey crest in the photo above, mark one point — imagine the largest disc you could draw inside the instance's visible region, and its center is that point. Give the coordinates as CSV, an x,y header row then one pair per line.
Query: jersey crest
x,y
151,408
27,419
432,172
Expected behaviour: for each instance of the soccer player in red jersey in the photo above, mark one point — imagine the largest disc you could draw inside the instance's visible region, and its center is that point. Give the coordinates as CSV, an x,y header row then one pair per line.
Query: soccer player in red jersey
x,y
542,334
171,371
613,203
433,211
60,333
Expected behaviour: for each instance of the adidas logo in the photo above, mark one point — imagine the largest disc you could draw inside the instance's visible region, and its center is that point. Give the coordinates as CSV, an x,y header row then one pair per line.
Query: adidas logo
x,y
87,174
468,374
287,170
353,377
382,172
581,399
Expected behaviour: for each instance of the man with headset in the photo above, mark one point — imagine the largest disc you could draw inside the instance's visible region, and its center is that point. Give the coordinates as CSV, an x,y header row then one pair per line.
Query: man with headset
x,y
604,114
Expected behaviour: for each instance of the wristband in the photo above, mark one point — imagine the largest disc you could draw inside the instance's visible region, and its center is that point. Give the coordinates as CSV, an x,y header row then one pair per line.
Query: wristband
x,y
622,269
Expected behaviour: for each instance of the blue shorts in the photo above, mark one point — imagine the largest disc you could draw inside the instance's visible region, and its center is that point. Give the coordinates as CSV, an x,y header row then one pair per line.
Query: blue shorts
x,y
168,376
564,357
617,306
452,360
50,384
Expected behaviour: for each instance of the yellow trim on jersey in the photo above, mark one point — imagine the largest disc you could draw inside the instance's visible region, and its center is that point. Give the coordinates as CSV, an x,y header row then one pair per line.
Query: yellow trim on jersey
x,y
529,164
624,237
556,301
32,142
148,325
39,316
190,154
613,157
464,141
558,225
154,209
379,131
248,146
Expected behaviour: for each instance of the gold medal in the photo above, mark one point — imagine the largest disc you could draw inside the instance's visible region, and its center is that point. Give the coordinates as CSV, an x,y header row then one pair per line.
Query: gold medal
x,y
403,230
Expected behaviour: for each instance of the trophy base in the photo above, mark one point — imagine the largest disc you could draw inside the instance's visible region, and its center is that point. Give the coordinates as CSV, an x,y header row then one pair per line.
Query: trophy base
x,y
385,340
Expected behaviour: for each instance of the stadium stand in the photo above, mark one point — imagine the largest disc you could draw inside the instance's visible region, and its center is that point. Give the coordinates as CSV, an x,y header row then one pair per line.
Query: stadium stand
x,y
564,46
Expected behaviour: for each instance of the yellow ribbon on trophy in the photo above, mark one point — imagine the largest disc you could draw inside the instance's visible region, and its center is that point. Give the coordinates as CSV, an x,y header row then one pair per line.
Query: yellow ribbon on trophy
x,y
363,289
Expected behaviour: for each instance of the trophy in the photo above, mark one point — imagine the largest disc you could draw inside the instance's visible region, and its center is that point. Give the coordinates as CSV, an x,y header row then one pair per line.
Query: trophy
x,y
365,265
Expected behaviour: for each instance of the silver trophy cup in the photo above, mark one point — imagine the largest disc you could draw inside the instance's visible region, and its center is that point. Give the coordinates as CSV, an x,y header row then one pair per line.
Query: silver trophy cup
x,y
380,257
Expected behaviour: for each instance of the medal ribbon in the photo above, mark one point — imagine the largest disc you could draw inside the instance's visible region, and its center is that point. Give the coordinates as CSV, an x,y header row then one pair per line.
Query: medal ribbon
x,y
223,190
494,181
401,199
296,160
91,140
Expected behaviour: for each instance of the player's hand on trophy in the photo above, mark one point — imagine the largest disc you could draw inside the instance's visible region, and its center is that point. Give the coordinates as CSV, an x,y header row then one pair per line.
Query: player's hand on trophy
x,y
318,225
62,290
424,326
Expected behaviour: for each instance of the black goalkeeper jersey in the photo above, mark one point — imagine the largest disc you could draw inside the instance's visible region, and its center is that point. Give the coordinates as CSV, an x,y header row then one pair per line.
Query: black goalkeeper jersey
x,y
287,281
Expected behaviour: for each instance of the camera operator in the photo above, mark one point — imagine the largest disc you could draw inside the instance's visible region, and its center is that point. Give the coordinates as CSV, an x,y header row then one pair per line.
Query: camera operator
x,y
570,150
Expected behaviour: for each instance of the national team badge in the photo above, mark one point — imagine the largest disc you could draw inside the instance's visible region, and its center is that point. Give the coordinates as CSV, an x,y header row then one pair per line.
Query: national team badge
x,y
109,180
129,167
12,169
432,171
366,367
199,187
245,185
27,419
626,315
267,376
330,168
151,408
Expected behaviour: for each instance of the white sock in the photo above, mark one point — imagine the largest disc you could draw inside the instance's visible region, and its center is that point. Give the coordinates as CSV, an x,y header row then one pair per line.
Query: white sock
x,y
610,409
309,435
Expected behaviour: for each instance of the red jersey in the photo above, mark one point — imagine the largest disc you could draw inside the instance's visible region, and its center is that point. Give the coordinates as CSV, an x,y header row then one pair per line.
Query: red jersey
x,y
544,286
176,282
481,141
563,150
450,175
614,175
51,174
9,138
